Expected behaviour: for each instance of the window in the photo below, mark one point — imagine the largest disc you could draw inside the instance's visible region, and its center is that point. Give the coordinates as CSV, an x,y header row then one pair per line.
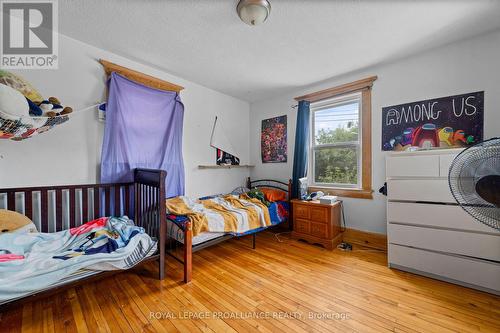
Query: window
x,y
335,153
340,145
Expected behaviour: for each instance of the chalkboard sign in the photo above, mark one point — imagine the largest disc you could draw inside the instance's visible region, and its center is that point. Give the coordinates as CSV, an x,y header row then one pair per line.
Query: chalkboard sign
x,y
446,122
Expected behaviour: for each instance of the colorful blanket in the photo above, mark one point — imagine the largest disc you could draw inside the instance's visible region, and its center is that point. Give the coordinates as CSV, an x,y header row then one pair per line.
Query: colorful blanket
x,y
100,245
229,213
279,211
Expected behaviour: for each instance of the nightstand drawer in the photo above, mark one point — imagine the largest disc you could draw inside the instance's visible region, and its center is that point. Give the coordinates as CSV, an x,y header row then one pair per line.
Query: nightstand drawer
x,y
302,226
319,214
316,223
319,230
301,211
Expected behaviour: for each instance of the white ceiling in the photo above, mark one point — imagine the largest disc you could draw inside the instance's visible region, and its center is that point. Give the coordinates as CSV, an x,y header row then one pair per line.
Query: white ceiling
x,y
302,42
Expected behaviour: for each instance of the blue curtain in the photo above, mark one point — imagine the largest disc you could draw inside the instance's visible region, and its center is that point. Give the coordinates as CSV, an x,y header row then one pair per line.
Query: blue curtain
x,y
143,130
301,146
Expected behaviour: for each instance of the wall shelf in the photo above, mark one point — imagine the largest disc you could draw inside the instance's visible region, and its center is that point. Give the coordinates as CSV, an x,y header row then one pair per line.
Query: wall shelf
x,y
224,166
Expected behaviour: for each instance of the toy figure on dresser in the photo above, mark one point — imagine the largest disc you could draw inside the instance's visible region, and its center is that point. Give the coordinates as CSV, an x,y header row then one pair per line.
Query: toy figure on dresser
x,y
314,196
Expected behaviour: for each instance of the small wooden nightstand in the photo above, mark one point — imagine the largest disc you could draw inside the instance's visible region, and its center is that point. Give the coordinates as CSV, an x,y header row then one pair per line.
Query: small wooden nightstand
x,y
317,223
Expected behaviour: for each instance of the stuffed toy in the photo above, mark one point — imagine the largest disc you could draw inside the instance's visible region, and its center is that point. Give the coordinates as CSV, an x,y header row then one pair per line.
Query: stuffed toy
x,y
18,83
11,221
13,104
258,194
35,110
35,104
52,107
23,111
48,108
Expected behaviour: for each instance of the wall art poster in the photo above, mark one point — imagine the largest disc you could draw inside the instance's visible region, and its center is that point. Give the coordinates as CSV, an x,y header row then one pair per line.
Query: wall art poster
x,y
273,140
446,122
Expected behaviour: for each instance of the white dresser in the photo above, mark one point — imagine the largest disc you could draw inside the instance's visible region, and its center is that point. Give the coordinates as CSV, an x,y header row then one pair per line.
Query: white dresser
x,y
428,233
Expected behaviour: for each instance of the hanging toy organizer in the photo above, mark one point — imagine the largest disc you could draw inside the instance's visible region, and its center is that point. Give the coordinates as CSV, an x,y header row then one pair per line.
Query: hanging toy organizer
x,y
20,128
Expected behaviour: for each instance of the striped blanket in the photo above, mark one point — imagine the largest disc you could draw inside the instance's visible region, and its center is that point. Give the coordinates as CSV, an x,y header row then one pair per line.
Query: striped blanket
x,y
229,213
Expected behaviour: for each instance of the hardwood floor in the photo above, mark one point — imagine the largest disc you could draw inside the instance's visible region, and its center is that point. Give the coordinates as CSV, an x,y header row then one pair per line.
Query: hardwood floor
x,y
292,286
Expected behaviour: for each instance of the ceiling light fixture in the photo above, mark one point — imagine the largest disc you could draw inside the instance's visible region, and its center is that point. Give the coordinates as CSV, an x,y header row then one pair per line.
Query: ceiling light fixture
x,y
253,12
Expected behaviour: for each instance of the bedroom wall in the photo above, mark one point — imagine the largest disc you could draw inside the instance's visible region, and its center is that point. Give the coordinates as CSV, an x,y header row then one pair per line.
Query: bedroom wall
x,y
466,66
71,153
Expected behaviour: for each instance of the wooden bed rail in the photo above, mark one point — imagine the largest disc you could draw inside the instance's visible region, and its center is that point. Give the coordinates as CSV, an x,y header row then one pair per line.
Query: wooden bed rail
x,y
56,208
150,213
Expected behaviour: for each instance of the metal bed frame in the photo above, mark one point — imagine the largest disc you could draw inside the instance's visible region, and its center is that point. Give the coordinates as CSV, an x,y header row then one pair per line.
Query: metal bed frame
x,y
189,248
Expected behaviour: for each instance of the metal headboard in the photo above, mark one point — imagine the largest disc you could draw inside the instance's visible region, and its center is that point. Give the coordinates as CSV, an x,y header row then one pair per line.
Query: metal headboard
x,y
271,183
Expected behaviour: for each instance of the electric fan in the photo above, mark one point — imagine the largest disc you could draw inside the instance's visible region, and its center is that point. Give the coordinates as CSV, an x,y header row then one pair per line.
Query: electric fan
x,y
474,180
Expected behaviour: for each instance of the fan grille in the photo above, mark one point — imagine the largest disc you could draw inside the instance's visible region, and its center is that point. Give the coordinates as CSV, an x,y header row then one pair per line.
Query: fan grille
x,y
468,167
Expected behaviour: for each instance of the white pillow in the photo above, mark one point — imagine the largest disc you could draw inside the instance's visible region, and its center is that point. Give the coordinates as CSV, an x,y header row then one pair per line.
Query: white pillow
x,y
13,103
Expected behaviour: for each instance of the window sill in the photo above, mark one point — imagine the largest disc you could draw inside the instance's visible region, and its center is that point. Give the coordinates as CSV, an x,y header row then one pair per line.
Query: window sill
x,y
344,192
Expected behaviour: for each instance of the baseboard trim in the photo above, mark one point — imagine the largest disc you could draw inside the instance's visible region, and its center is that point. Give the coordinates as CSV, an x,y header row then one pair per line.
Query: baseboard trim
x,y
365,238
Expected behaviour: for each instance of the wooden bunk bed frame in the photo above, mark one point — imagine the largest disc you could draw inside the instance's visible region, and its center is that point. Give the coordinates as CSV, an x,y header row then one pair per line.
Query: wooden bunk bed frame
x,y
188,247
142,199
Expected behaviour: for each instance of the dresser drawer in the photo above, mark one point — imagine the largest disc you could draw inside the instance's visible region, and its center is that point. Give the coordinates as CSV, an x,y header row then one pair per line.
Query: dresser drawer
x,y
471,244
445,162
426,190
412,166
302,226
319,214
434,215
301,211
319,230
466,270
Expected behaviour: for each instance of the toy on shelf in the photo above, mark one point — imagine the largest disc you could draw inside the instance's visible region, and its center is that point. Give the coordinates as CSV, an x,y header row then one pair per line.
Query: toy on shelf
x,y
23,111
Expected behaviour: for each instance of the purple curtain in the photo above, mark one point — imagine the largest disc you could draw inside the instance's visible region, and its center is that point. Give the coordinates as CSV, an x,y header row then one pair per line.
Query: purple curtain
x,y
143,130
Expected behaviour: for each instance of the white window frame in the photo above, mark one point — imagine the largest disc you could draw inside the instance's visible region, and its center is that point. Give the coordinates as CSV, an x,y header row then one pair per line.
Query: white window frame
x,y
322,105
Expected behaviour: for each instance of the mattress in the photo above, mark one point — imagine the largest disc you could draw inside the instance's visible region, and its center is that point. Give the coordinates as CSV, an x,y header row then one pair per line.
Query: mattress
x,y
278,212
177,233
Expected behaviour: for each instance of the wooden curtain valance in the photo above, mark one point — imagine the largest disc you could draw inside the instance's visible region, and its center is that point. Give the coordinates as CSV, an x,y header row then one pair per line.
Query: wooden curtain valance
x,y
145,79
339,90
